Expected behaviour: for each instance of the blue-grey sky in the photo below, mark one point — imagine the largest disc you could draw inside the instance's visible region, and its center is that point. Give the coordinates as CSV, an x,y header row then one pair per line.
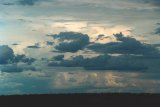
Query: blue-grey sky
x,y
37,36
37,17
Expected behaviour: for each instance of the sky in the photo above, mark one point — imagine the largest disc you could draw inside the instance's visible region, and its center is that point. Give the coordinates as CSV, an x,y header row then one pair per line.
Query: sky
x,y
66,46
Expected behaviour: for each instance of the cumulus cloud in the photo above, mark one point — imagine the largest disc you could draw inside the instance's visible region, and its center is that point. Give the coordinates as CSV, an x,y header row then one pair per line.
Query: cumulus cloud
x,y
6,54
9,61
71,41
125,45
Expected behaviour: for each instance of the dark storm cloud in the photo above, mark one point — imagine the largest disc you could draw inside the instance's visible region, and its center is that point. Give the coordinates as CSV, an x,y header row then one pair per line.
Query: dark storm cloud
x,y
9,61
6,54
126,45
71,41
127,62
27,2
35,46
77,61
105,62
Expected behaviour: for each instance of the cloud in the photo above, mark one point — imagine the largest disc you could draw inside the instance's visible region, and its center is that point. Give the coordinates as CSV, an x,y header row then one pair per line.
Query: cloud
x,y
132,55
15,44
156,45
59,57
125,45
100,37
8,4
10,68
35,46
157,31
153,2
24,59
49,43
71,41
6,54
9,61
127,62
88,80
105,62
27,2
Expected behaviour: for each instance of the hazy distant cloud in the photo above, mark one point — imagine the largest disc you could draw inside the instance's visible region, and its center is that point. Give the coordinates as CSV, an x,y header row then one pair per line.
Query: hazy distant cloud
x,y
8,4
11,68
88,80
16,68
15,44
71,41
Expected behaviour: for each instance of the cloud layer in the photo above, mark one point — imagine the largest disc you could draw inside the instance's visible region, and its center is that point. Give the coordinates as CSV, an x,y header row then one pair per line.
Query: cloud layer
x,y
131,55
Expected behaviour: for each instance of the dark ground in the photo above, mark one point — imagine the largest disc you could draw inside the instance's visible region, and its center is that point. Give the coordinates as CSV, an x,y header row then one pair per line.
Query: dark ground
x,y
82,100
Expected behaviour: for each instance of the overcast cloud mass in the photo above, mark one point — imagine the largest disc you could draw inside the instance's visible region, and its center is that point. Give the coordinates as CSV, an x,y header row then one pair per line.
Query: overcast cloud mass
x,y
69,46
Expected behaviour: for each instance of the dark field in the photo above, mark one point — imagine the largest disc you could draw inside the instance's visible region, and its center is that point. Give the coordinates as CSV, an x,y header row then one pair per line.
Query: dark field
x,y
81,100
